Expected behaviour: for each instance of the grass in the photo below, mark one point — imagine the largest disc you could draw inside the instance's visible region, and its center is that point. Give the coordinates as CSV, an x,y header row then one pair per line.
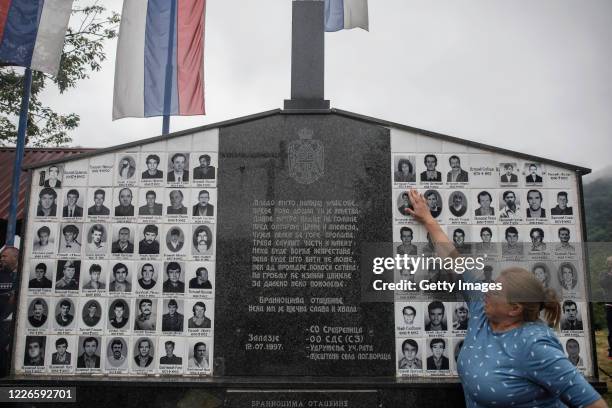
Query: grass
x,y
601,339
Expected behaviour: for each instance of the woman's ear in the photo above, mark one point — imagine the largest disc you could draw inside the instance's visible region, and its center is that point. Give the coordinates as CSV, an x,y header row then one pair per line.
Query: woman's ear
x,y
516,309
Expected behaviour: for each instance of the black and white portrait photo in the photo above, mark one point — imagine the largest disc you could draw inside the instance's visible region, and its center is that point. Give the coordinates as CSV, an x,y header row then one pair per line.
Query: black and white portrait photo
x,y
116,353
512,245
177,201
541,271
123,239
510,206
67,277
537,240
118,314
406,237
151,206
178,164
205,169
201,279
571,318
97,240
52,176
574,351
73,204
562,207
461,240
70,240
47,203
568,276
149,244
403,203
124,205
410,357
535,201
437,355
39,278
435,317
126,168
508,173
487,244
173,352
456,173
152,171
457,204
199,320
203,208
202,240
404,169
148,276
89,352
98,208
64,313
144,353
45,238
34,353
38,312
461,315
91,314
175,240
485,205
198,356
172,317
430,174
121,279
146,314
96,279
533,174
175,277
565,236
62,356
434,202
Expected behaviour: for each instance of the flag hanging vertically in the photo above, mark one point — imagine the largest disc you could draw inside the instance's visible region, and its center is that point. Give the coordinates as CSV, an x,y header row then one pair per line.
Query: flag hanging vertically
x,y
159,70
346,14
32,33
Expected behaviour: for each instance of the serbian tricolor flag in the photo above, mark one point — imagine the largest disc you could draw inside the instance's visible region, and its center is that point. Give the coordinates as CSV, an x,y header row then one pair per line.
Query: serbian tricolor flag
x,y
32,33
346,14
159,68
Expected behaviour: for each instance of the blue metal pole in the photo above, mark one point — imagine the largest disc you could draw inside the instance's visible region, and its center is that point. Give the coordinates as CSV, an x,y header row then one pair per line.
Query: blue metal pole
x,y
166,125
20,148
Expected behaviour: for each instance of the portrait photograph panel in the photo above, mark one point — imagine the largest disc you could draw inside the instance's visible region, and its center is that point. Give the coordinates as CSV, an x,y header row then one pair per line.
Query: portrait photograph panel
x,y
99,203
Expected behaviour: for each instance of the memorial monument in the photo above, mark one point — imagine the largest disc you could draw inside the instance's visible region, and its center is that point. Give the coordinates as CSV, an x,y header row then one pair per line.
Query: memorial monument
x,y
236,257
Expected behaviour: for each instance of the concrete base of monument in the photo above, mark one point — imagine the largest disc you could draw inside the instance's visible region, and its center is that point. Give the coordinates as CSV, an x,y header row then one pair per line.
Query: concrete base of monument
x,y
253,392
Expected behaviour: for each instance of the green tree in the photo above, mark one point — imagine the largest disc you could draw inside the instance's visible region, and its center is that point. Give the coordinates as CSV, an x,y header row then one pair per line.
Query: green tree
x,y
90,26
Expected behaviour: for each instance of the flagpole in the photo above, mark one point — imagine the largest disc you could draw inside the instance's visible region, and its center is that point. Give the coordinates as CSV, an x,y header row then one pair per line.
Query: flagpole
x,y
166,125
19,150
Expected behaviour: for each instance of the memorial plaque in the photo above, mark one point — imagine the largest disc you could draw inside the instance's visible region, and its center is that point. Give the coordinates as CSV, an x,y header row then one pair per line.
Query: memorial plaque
x,y
301,198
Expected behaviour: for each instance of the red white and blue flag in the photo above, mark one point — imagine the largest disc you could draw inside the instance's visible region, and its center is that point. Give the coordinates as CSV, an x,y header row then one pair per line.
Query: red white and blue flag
x,y
160,59
32,33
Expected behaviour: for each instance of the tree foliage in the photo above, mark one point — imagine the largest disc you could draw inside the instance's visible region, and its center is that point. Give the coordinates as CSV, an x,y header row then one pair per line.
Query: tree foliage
x,y
90,26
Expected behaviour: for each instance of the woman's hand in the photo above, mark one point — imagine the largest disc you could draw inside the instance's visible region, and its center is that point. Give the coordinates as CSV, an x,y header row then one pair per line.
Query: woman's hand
x,y
420,209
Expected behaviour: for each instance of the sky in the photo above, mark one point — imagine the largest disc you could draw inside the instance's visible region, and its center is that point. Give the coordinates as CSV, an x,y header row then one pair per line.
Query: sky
x,y
530,76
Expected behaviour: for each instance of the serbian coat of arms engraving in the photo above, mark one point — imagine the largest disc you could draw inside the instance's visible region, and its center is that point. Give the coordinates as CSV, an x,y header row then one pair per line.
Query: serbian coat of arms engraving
x,y
306,158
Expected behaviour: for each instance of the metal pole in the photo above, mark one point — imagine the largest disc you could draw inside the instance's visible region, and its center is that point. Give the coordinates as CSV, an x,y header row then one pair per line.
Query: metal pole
x,y
166,125
20,148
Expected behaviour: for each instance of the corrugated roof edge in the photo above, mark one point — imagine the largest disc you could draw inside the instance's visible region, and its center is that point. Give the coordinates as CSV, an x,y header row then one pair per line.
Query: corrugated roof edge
x,y
582,170
382,122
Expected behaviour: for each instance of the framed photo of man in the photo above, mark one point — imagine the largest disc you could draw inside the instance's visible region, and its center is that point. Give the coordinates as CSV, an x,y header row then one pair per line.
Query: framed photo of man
x,y
178,168
91,315
204,168
409,318
51,176
64,315
151,203
562,206
74,201
148,278
89,351
41,275
204,204
98,203
173,315
203,242
410,356
34,354
117,355
119,316
172,355
152,169
38,315
533,173
70,240
199,356
177,204
124,199
95,277
96,240
67,276
437,362
61,354
145,315
200,277
144,356
458,166
126,165
46,206
508,174
123,238
120,280
44,240
176,243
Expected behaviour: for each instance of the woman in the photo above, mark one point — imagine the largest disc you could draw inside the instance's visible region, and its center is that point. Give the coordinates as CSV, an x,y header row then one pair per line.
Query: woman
x,y
509,357
404,172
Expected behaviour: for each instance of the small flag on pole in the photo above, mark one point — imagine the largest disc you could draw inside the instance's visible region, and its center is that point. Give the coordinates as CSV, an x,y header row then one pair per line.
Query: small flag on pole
x,y
32,33
159,68
346,14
